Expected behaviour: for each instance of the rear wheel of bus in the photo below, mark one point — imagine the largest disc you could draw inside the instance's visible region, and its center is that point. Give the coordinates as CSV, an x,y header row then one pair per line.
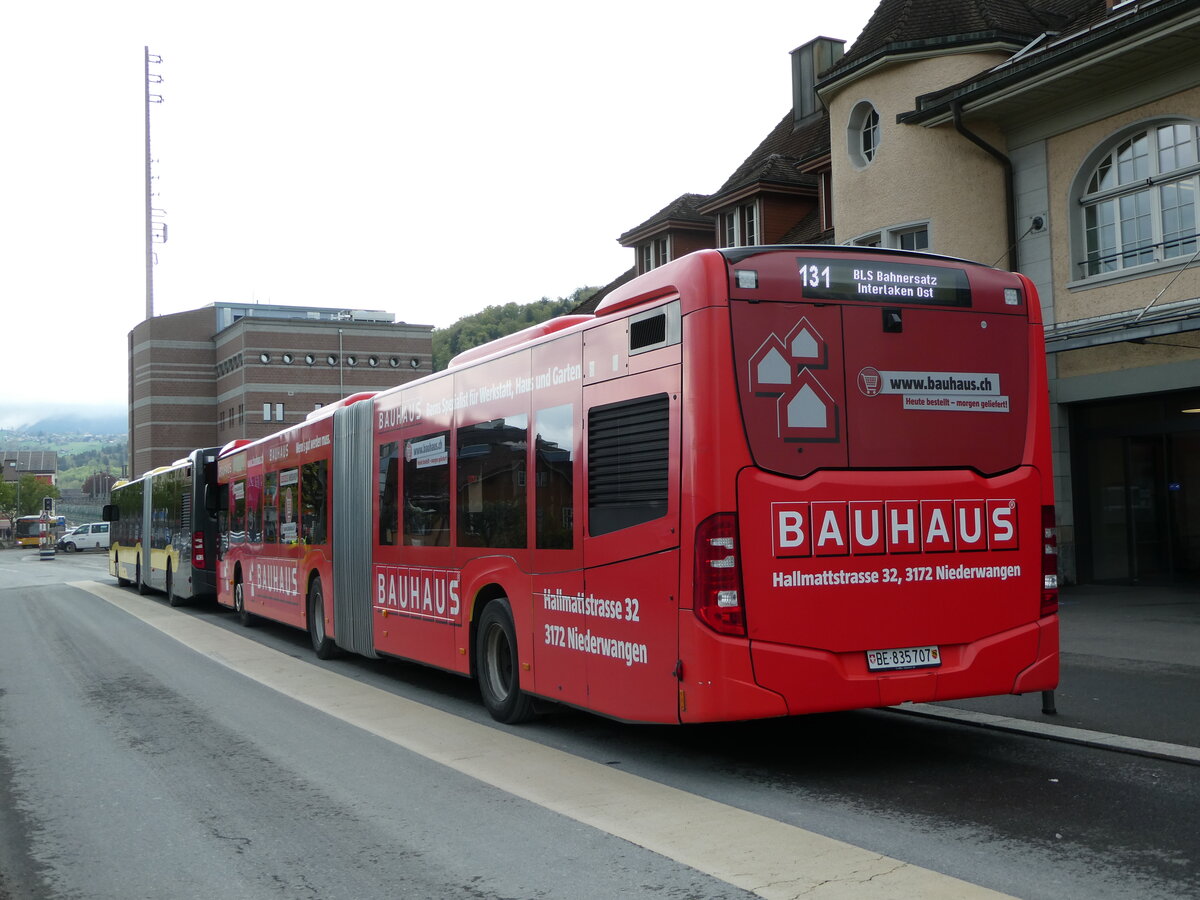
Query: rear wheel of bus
x,y
497,665
239,603
323,645
172,599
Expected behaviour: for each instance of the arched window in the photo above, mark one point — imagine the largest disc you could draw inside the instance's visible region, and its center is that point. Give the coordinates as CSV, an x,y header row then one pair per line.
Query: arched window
x,y
1139,201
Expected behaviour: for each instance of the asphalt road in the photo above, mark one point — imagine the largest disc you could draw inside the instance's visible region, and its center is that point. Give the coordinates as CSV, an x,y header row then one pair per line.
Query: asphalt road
x,y
132,765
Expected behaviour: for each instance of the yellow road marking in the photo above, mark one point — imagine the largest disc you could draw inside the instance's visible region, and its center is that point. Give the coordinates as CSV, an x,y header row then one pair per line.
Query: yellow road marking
x,y
772,859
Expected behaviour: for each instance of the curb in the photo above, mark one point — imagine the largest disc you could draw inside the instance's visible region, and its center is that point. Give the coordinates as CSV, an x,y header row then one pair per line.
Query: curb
x,y
1082,736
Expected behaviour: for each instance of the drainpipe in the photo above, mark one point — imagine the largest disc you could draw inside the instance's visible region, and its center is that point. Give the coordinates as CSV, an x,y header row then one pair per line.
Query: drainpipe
x,y
1010,201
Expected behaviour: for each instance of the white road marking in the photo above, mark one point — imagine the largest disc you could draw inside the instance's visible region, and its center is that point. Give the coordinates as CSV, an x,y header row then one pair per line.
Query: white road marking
x,y
758,854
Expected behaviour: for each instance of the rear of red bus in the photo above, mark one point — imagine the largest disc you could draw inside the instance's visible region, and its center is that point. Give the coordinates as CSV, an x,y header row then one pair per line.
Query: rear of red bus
x,y
873,511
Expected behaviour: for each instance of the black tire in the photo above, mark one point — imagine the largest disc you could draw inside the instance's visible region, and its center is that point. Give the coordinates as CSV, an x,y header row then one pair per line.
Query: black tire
x,y
69,548
497,665
323,645
137,580
171,598
239,605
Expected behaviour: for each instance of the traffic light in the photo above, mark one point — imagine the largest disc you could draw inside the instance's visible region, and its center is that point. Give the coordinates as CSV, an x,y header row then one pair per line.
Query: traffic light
x,y
48,504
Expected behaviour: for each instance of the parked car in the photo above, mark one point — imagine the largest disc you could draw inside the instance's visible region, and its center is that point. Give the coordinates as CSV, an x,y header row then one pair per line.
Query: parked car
x,y
92,536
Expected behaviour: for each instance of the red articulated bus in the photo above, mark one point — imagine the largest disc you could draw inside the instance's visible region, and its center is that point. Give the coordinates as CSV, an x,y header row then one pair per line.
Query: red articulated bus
x,y
757,482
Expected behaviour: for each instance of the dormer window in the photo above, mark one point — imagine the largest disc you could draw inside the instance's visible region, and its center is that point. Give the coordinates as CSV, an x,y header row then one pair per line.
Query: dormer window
x,y
739,226
653,254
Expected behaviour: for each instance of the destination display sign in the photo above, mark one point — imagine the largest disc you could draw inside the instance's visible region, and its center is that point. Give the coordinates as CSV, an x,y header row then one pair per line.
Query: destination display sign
x,y
883,282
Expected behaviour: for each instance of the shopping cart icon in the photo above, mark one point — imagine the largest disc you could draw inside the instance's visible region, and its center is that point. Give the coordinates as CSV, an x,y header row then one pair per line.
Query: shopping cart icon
x,y
869,381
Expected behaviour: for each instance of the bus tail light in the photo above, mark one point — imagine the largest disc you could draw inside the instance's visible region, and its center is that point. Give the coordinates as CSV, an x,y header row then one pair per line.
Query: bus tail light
x,y
1049,562
718,576
198,550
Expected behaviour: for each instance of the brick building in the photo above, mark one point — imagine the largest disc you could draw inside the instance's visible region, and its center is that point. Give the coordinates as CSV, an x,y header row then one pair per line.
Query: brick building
x,y
207,376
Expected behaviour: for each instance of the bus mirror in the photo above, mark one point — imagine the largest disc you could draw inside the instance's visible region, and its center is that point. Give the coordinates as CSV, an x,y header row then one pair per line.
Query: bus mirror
x,y
215,500
109,513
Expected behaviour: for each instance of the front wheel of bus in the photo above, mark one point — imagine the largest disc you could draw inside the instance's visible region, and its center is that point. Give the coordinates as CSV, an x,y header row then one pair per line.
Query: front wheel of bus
x,y
497,665
323,645
239,605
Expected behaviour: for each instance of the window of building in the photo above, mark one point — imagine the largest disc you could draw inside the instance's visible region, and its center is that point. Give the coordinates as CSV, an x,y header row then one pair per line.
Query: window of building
x,y
863,134
902,237
1138,201
913,238
491,483
739,226
654,253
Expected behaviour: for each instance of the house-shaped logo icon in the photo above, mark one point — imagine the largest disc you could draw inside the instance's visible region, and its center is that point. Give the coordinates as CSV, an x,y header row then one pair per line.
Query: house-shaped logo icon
x,y
782,370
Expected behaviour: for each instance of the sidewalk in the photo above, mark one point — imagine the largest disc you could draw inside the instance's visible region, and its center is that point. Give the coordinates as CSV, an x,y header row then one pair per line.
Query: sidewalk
x,y
1130,665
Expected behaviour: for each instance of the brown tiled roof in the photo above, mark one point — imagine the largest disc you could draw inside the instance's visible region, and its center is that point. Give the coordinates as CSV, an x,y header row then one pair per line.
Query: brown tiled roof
x,y
1094,28
900,26
775,160
589,305
808,231
682,210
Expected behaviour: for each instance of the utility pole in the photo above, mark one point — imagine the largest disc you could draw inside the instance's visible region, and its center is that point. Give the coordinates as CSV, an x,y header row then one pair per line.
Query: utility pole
x,y
153,235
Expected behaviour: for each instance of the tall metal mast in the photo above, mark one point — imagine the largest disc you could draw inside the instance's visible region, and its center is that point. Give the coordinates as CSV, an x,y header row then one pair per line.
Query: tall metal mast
x,y
151,233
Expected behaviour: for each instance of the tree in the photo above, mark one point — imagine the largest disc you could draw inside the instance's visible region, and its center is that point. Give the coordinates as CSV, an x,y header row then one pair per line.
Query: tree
x,y
28,494
496,322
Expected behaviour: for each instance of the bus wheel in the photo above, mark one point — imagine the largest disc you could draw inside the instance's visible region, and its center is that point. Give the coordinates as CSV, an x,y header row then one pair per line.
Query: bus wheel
x,y
137,579
323,645
497,666
171,598
239,605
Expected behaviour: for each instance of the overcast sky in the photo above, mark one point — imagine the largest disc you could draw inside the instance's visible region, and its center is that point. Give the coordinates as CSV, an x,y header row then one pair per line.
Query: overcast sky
x,y
424,159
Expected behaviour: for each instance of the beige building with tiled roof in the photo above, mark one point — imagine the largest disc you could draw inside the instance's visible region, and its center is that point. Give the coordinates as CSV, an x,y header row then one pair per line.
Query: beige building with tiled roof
x,y
1058,137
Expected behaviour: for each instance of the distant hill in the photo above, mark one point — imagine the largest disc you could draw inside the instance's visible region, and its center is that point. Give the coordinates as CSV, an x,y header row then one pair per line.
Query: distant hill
x,y
99,421
55,419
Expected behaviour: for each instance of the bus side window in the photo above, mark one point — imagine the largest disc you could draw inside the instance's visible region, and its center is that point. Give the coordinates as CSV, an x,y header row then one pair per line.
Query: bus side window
x,y
491,468
312,501
628,463
253,508
554,474
427,491
270,508
238,513
389,486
